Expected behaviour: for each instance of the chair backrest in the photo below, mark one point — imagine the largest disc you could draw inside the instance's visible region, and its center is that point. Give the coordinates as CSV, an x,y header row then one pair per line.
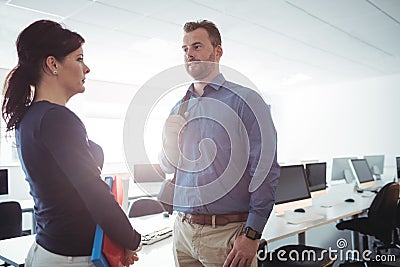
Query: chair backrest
x,y
145,206
383,207
10,219
262,254
398,214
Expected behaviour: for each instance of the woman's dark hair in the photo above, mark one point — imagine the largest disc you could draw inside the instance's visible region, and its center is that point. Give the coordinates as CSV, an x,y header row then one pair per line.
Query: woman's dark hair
x,y
212,30
35,43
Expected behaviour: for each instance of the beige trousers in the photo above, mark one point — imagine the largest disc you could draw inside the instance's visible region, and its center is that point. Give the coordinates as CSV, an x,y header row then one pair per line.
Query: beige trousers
x,y
203,245
40,257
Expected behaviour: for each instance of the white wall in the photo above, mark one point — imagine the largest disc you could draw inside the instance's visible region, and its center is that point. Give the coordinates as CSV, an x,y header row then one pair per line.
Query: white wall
x,y
352,119
18,188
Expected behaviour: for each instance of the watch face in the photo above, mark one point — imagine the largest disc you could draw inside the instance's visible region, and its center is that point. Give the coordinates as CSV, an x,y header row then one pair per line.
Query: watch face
x,y
250,233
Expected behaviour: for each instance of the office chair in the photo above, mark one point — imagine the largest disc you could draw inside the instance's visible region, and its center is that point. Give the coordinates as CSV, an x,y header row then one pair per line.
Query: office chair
x,y
313,256
398,222
380,220
11,219
145,206
395,238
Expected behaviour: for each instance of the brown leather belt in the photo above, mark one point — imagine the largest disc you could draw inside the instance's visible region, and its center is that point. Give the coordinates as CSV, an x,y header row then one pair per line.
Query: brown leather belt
x,y
220,220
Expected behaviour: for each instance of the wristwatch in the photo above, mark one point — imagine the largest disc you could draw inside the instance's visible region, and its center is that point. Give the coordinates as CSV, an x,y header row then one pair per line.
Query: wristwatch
x,y
250,233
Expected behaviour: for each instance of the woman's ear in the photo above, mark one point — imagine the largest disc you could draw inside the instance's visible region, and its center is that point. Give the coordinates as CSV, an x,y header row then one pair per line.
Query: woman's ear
x,y
51,65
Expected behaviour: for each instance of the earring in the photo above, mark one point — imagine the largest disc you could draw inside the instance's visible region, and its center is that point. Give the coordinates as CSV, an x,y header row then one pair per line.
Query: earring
x,y
55,72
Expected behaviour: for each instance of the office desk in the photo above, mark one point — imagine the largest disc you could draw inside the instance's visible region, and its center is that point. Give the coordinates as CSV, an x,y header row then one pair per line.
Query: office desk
x,y
159,253
278,228
14,250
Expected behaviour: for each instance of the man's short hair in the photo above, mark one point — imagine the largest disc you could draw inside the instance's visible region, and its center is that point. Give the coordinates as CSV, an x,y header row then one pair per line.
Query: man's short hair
x,y
212,30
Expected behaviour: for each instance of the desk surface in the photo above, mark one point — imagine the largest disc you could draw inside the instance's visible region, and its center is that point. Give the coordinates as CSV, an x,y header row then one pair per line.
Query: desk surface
x,y
159,252
15,250
278,228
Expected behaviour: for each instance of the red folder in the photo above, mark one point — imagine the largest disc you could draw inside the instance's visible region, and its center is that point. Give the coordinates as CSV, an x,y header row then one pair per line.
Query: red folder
x,y
114,253
106,253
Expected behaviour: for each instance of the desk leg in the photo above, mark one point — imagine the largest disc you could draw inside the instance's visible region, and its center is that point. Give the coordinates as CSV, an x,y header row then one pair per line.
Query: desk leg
x,y
33,223
301,237
355,241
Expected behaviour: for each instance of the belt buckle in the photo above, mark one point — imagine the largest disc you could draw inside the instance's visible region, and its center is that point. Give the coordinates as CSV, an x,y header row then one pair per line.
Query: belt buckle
x,y
187,217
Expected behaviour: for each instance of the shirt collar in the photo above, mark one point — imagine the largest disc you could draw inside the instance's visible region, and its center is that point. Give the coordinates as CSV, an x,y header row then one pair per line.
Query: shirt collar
x,y
215,83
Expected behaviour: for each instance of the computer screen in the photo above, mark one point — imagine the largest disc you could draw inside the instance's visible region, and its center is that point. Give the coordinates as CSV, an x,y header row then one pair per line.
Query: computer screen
x,y
398,167
316,177
3,182
362,173
376,163
341,169
146,173
148,178
292,191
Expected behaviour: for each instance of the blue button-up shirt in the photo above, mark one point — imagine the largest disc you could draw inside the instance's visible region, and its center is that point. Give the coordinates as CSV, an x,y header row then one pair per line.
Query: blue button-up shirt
x,y
228,163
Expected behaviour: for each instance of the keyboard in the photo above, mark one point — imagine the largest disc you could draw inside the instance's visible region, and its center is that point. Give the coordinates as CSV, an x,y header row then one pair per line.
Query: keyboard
x,y
329,205
374,189
368,194
156,236
302,218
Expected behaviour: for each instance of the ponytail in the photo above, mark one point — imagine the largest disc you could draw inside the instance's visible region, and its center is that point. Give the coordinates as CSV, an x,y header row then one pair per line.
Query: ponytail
x,y
17,97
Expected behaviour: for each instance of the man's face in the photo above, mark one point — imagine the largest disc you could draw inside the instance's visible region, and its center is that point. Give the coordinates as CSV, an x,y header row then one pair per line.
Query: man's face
x,y
201,57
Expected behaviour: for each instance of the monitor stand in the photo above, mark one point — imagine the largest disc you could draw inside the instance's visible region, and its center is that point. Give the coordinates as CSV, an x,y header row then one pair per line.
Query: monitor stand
x,y
347,176
377,177
376,171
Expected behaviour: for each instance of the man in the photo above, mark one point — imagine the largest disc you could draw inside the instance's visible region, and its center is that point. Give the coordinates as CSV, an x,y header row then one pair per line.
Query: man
x,y
223,150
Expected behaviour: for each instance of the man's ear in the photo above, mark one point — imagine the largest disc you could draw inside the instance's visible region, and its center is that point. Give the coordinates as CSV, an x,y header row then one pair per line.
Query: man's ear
x,y
218,52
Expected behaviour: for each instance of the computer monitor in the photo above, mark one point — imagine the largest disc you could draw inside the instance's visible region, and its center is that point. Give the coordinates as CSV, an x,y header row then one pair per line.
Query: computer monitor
x,y
147,173
376,164
316,177
341,169
362,173
3,183
147,178
398,167
292,191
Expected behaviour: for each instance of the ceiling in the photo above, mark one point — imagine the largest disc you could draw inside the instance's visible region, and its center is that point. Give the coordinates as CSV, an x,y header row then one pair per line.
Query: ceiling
x,y
276,43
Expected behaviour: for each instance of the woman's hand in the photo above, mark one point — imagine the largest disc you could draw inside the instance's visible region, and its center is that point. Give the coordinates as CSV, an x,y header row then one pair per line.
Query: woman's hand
x,y
130,257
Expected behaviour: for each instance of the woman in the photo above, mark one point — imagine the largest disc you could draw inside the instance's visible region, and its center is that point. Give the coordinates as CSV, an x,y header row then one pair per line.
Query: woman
x,y
61,165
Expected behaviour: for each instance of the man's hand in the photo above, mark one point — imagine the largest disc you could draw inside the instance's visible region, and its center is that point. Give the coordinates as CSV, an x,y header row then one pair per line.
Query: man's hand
x,y
172,128
243,252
